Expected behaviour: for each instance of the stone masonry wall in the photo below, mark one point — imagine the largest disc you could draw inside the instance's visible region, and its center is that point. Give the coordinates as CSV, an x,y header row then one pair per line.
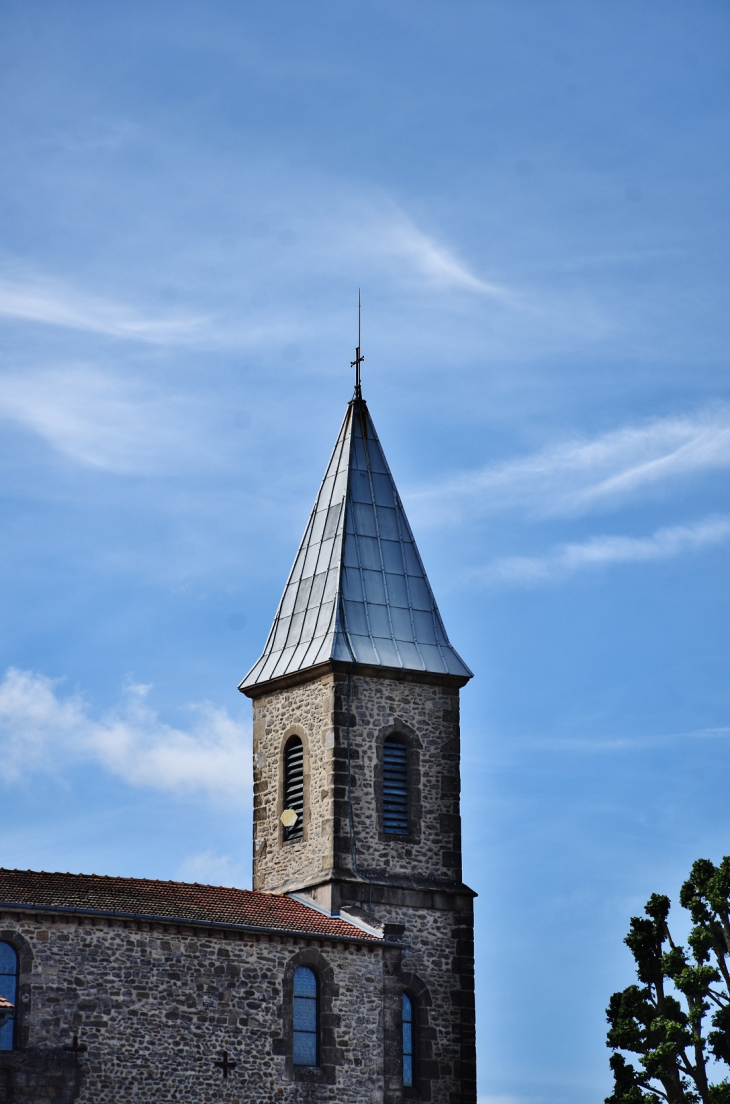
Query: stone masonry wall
x,y
437,923
438,971
154,1008
307,711
425,716
413,881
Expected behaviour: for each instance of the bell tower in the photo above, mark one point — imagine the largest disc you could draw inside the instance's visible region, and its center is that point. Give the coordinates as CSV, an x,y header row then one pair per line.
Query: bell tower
x,y
357,757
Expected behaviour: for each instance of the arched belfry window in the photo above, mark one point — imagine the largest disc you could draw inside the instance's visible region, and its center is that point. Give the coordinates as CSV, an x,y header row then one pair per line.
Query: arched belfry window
x,y
292,816
395,787
306,1017
408,1040
9,991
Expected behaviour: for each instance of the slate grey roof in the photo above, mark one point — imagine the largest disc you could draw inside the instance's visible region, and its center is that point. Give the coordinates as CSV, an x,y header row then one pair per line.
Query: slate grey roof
x,y
358,591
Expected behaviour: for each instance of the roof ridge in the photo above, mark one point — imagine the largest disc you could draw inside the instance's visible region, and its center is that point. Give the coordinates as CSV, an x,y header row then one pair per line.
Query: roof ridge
x,y
146,881
121,878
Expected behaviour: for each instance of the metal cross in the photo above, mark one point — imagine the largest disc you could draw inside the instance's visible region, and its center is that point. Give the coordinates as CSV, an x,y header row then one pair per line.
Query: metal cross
x,y
226,1065
358,359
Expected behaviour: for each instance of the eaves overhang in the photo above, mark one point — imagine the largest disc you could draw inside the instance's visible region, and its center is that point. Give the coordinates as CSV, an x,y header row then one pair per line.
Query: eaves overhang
x,y
182,921
333,666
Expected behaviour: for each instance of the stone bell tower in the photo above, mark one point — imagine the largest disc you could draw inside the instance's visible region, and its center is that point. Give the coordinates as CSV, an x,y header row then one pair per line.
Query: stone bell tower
x,y
356,751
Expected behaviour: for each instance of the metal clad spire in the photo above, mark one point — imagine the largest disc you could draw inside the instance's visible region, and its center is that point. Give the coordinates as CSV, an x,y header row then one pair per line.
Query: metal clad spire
x,y
358,590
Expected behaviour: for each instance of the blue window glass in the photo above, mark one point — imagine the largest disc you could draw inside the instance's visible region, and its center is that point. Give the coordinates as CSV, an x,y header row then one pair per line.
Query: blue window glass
x,y
9,990
407,1042
306,1017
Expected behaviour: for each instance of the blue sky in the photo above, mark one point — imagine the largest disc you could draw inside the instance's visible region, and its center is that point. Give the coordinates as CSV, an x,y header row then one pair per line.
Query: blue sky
x,y
533,198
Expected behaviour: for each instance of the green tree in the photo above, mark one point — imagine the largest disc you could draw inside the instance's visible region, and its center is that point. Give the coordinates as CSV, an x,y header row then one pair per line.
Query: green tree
x,y
677,1019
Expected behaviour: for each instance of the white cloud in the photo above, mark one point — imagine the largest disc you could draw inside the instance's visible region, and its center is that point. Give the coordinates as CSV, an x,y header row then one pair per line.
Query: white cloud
x,y
588,474
330,232
31,719
55,304
433,261
40,730
210,868
602,551
505,1100
370,233
94,134
598,745
100,419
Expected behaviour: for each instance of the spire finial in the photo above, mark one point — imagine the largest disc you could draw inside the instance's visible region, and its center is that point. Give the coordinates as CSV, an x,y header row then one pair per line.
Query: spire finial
x,y
358,359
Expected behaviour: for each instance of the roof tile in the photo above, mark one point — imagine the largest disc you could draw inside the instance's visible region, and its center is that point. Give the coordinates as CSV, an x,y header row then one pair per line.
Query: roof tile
x,y
171,900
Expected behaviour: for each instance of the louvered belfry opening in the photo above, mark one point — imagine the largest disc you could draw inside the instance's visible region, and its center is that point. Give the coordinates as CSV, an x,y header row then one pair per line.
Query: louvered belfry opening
x,y
294,786
395,787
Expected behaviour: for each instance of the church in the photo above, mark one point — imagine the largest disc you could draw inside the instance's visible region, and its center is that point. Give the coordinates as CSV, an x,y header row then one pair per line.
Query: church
x,y
346,975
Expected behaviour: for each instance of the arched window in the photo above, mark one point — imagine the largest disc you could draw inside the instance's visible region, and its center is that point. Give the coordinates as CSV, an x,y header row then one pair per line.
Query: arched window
x,y
408,1031
9,991
306,1017
395,787
293,788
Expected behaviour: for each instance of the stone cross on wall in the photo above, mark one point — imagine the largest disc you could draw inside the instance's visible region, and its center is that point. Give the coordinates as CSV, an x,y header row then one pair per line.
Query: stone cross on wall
x,y
225,1064
76,1047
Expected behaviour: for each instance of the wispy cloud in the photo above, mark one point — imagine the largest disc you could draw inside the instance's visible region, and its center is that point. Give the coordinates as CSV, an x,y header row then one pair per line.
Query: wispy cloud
x,y
330,230
587,474
100,419
604,551
598,745
40,729
435,262
211,868
378,236
55,304
100,133
508,1099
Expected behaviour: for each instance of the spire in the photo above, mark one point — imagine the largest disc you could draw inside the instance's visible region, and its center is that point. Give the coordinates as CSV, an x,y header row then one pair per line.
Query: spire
x,y
358,591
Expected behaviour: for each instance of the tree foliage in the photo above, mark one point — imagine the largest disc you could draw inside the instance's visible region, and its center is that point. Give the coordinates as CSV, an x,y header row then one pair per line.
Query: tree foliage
x,y
677,1019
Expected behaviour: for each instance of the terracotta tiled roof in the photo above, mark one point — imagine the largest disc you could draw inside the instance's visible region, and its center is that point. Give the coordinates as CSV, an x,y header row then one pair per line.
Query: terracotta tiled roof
x,y
5,1005
172,900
